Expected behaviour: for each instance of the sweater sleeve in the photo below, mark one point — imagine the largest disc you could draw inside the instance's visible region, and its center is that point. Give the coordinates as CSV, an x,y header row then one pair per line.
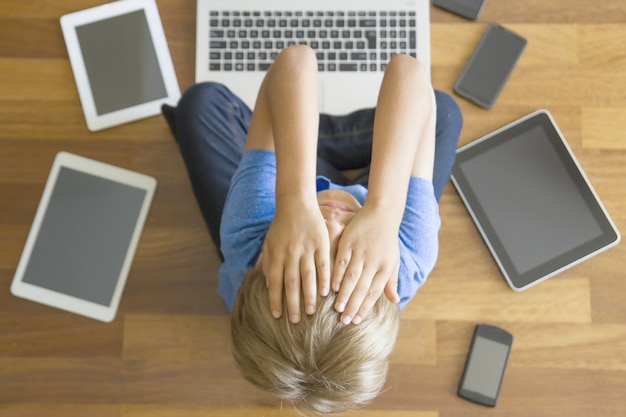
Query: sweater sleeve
x,y
419,242
247,215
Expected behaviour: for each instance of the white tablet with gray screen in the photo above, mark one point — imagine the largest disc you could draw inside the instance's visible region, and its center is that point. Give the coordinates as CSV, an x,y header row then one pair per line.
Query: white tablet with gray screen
x,y
531,200
83,239
121,62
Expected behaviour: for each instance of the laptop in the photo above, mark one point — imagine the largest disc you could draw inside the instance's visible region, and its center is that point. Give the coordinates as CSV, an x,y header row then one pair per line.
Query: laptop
x,y
237,40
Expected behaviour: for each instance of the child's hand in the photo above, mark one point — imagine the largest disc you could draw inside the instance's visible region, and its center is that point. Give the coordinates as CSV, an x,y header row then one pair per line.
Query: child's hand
x,y
367,263
296,251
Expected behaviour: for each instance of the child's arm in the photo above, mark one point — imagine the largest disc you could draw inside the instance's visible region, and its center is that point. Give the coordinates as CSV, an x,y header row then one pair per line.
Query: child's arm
x,y
285,119
368,256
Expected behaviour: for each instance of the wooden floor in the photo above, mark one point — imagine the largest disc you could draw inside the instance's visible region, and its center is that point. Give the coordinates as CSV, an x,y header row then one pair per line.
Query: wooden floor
x,y
168,352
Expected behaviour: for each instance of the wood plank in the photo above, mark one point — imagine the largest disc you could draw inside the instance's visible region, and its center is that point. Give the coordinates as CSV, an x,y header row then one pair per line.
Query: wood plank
x,y
150,411
546,87
453,45
35,10
65,410
416,343
193,363
62,120
181,336
168,351
608,286
603,127
563,299
602,45
16,9
58,334
538,11
44,36
525,391
58,380
36,79
541,345
28,163
23,200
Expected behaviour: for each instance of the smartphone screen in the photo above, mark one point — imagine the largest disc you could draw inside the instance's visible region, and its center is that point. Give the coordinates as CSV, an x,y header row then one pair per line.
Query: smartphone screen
x,y
466,8
485,365
490,65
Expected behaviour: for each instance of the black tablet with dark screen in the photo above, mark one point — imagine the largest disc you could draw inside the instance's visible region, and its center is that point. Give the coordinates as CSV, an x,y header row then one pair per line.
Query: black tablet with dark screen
x,y
531,200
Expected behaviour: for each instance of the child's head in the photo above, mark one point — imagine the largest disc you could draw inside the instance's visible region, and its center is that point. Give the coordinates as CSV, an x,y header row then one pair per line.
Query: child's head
x,y
319,363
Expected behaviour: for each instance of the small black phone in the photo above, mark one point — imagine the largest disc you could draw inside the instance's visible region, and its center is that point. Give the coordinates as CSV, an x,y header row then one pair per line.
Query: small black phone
x,y
470,9
485,365
490,65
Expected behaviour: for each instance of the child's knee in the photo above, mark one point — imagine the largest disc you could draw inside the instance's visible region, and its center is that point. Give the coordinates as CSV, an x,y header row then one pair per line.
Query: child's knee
x,y
410,66
298,55
201,95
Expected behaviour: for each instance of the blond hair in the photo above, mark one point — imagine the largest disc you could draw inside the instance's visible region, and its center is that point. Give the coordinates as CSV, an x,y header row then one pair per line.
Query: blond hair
x,y
319,364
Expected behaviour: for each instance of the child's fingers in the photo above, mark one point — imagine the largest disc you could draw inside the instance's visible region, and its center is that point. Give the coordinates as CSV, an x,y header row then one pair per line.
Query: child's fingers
x,y
322,262
348,284
391,288
274,278
342,261
309,285
364,297
292,290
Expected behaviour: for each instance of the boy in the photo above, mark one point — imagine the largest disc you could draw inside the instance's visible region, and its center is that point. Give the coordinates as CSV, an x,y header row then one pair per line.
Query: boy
x,y
320,251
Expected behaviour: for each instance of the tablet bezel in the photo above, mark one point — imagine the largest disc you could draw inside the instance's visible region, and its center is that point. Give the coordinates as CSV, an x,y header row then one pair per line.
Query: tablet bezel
x,y
64,301
610,235
70,22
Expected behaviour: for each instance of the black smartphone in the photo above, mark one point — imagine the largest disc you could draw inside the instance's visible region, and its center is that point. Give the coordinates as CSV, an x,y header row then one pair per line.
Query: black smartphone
x,y
485,365
469,9
490,65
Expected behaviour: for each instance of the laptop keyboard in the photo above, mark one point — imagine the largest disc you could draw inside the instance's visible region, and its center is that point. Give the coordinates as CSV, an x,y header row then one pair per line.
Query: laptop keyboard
x,y
349,41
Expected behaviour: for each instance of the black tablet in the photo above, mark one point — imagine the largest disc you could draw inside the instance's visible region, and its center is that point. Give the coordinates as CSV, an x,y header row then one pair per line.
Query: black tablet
x,y
531,200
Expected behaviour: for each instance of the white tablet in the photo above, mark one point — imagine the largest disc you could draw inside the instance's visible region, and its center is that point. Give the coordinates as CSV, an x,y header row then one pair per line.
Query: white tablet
x,y
531,200
121,62
83,238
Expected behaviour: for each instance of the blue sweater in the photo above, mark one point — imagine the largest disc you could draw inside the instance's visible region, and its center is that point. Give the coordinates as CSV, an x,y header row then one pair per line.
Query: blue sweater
x,y
250,207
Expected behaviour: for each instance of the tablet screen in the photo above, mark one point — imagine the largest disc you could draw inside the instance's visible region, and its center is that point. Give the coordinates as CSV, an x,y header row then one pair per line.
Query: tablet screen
x,y
121,62
84,236
531,200
532,194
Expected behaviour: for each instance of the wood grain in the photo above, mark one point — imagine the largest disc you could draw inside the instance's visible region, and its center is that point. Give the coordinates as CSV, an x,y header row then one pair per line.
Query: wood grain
x,y
168,351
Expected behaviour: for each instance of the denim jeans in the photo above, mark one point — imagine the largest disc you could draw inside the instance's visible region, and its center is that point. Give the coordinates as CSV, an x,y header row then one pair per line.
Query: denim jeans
x,y
211,124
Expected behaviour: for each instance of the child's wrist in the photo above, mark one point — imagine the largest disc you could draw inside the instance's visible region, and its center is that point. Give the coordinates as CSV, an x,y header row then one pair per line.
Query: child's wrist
x,y
297,199
385,207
